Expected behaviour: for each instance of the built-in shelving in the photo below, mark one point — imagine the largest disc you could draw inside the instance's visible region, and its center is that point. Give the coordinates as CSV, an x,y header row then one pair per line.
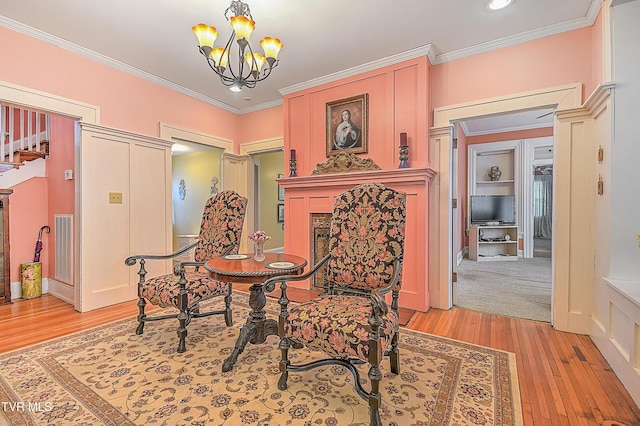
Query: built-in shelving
x,y
493,242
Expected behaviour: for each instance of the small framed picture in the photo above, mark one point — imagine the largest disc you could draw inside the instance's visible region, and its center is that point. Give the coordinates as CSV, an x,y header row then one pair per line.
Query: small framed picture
x,y
281,213
347,125
280,189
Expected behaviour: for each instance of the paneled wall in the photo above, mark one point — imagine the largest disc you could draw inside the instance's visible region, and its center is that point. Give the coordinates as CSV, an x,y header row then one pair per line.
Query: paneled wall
x,y
138,168
397,102
615,317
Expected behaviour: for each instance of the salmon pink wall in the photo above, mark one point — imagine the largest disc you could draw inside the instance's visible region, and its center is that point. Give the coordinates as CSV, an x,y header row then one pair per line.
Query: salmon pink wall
x,y
126,102
27,213
61,191
597,52
548,62
261,125
398,102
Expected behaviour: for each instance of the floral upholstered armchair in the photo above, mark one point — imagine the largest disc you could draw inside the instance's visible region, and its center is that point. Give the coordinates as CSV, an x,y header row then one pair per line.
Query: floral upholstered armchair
x,y
189,284
351,322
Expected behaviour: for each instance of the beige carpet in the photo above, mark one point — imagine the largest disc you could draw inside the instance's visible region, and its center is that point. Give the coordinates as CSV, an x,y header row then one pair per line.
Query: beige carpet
x,y
109,375
520,289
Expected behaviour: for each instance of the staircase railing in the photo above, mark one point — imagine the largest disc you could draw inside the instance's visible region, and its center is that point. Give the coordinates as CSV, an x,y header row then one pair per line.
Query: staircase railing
x,y
24,136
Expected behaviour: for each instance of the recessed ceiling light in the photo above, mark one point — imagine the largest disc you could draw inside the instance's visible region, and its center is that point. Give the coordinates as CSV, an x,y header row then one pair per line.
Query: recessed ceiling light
x,y
498,4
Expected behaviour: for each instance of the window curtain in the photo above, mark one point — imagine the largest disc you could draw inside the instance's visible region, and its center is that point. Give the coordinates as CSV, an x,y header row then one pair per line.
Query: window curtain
x,y
542,202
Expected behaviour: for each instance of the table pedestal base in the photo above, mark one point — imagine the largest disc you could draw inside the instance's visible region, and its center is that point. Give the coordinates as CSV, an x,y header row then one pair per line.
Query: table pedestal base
x,y
257,327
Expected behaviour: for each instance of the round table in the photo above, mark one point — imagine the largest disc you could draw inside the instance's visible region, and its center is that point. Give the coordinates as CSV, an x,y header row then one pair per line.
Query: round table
x,y
242,268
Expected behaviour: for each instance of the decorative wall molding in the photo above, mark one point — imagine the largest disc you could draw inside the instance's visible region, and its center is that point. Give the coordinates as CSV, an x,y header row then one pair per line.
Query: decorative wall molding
x,y
173,133
344,163
406,176
426,50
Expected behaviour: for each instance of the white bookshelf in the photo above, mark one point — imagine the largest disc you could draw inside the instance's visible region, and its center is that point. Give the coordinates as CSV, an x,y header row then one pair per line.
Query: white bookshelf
x,y
493,242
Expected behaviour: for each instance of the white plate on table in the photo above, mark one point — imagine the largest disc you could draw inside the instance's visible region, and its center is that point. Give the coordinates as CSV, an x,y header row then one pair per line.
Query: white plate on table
x,y
280,265
236,257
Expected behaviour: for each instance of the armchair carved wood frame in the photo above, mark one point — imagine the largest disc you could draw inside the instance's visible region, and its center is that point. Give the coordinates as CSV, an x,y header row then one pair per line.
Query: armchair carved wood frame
x,y
188,285
350,321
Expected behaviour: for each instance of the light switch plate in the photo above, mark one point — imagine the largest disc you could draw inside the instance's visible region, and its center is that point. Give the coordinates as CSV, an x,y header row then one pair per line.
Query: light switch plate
x,y
68,174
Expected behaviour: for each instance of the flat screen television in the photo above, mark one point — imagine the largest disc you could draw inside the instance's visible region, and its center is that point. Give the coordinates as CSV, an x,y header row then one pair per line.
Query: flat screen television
x,y
499,209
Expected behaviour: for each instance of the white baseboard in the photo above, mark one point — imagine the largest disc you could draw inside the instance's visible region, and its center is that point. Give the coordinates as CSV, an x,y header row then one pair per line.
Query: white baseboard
x,y
62,291
16,288
49,286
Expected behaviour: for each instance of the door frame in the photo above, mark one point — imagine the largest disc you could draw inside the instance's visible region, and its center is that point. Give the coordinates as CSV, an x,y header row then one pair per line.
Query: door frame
x,y
561,98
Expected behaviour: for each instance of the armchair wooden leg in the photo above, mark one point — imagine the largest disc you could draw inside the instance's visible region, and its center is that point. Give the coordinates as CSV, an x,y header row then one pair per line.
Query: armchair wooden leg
x,y
182,331
375,375
394,354
228,312
141,315
183,316
374,412
374,397
284,363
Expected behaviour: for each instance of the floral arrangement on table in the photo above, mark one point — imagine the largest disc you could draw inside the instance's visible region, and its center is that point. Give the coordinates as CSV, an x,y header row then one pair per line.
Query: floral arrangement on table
x,y
259,236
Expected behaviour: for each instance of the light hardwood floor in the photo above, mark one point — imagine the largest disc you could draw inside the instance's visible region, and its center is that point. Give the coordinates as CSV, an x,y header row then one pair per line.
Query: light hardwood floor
x,y
564,380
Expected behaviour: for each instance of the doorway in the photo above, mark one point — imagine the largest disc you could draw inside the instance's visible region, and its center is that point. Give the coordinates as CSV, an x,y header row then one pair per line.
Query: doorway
x,y
502,283
268,167
195,177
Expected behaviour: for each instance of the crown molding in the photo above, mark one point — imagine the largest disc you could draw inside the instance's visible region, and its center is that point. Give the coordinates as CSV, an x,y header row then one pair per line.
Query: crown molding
x,y
259,107
575,24
87,53
370,66
428,50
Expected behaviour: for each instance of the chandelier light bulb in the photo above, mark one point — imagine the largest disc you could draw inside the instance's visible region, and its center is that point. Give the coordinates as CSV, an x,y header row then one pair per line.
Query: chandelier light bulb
x,y
220,57
255,61
271,47
206,35
242,26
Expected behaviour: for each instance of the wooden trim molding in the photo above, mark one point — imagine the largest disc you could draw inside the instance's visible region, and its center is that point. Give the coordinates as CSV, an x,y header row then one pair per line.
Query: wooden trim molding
x,y
404,176
344,162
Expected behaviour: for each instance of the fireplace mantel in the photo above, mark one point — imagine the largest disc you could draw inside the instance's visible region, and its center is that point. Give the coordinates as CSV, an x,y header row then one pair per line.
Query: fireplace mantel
x,y
307,196
404,176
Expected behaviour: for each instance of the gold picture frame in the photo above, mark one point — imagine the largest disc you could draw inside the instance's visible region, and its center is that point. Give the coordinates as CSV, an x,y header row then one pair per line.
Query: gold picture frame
x,y
347,125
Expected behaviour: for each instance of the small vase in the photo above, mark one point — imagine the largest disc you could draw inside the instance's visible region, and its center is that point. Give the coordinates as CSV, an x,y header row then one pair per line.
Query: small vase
x,y
258,254
495,173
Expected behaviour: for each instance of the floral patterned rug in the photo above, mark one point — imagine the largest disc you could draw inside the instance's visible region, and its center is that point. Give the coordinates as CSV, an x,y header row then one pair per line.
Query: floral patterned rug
x,y
109,375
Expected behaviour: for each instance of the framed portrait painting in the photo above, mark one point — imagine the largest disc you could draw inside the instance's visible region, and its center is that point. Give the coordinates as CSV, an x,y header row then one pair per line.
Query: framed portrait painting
x,y
347,125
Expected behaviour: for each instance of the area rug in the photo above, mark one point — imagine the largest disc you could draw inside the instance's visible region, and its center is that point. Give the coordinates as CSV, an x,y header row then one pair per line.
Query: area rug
x,y
109,375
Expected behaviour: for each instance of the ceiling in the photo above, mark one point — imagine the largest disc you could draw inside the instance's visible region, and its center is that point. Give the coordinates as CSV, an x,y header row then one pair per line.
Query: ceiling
x,y
323,39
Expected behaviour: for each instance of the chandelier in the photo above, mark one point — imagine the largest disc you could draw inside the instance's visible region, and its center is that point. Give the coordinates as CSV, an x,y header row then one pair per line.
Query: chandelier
x,y
250,67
